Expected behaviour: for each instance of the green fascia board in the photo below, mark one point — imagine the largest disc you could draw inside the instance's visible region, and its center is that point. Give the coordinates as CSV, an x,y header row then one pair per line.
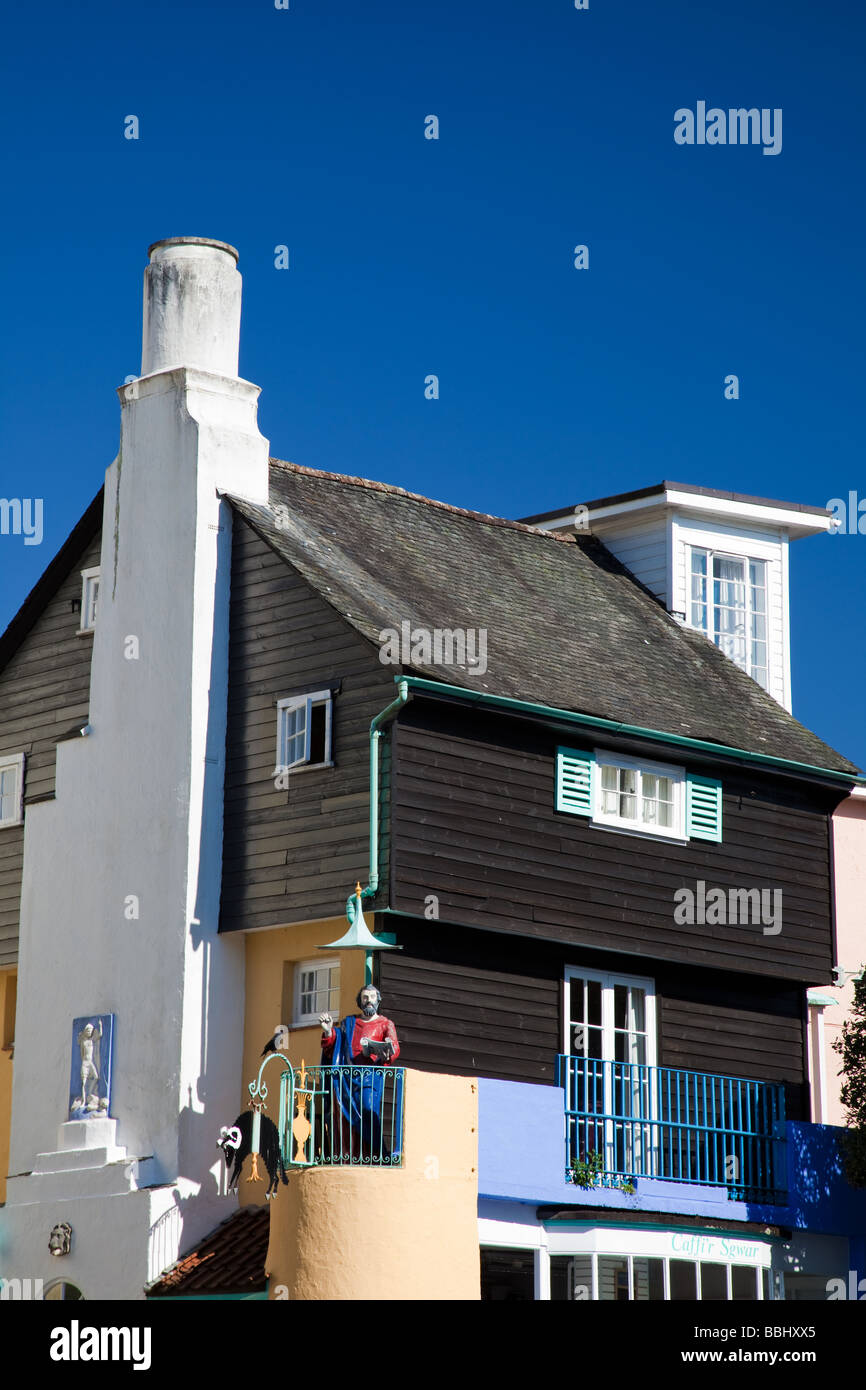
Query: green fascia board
x,y
592,721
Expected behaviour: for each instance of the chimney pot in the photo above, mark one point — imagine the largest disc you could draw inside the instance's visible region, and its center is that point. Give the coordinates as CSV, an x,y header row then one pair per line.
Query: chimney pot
x,y
192,306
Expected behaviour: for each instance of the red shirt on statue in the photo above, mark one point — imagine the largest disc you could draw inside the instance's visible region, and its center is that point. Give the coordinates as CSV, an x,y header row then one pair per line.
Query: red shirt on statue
x,y
378,1029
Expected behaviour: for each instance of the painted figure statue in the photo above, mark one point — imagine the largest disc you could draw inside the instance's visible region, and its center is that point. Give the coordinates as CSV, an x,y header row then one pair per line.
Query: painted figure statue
x,y
88,1043
363,1045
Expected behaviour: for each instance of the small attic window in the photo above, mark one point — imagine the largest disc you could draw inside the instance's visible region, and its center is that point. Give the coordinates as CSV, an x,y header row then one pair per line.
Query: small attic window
x,y
304,730
89,599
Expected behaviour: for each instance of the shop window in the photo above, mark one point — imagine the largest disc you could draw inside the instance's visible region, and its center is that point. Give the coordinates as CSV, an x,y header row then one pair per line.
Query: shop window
x,y
649,1280
714,1283
571,1278
684,1283
613,1279
744,1284
507,1276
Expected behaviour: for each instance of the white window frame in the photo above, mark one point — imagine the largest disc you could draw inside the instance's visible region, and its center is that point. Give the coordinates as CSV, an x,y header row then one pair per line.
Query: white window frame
x,y
293,702
304,1020
677,775
608,980
709,605
14,761
88,617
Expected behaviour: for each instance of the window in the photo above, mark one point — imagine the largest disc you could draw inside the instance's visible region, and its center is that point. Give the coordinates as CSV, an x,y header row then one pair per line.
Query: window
x,y
644,798
304,730
317,991
647,1278
639,796
89,599
728,603
610,1040
11,789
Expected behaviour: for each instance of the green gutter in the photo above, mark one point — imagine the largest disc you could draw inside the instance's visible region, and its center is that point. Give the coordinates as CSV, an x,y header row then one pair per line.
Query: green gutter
x,y
590,721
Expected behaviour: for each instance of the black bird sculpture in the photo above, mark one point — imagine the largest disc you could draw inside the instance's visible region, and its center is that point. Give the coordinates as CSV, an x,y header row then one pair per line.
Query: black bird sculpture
x,y
281,1035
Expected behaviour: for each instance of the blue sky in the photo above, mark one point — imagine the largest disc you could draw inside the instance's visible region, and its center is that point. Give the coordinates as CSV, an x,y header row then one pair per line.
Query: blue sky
x,y
408,256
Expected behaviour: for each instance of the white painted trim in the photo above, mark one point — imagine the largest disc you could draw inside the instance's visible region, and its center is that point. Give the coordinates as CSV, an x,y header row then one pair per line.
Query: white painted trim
x,y
87,576
542,1271
724,1247
16,761
806,523
787,692
722,508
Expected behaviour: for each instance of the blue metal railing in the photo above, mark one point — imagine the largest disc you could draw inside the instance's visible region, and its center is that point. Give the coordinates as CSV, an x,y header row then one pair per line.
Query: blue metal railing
x,y
626,1121
341,1116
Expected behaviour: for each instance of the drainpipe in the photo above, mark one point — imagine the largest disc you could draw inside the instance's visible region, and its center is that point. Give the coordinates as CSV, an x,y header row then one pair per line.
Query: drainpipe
x,y
404,695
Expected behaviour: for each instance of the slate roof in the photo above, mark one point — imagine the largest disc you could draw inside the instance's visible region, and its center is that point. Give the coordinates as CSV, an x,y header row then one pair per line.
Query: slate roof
x,y
231,1260
567,625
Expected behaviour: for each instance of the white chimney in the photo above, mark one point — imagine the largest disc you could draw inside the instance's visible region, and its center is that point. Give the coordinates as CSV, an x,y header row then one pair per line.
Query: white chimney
x,y
192,306
121,882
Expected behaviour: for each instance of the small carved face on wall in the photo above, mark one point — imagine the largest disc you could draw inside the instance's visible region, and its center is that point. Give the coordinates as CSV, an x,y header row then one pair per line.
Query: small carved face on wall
x,y
60,1240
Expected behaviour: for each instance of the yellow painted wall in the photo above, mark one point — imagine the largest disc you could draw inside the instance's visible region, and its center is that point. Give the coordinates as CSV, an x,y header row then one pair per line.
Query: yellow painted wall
x,y
389,1233
267,954
8,983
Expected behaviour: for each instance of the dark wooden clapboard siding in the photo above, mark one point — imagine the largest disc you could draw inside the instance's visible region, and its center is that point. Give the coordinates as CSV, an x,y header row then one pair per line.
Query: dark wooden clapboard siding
x,y
293,855
44,692
490,1004
474,824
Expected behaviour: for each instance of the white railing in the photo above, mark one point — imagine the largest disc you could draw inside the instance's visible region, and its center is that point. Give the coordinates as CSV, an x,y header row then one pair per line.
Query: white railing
x,y
163,1246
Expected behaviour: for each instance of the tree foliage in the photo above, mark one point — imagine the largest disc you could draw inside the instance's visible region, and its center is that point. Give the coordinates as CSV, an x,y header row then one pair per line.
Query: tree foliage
x,y
851,1046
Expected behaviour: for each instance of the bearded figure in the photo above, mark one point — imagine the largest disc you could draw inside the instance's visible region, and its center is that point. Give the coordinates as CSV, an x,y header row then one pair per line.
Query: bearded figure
x,y
354,1055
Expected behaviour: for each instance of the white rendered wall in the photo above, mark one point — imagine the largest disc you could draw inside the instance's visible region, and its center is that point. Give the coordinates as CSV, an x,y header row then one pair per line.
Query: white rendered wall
x,y
139,812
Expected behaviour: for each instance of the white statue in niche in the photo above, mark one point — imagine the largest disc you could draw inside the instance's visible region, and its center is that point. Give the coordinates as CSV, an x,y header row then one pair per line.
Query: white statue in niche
x,y
89,1040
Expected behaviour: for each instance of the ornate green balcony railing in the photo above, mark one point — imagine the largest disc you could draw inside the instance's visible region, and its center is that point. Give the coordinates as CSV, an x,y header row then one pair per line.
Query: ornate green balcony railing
x,y
626,1121
341,1116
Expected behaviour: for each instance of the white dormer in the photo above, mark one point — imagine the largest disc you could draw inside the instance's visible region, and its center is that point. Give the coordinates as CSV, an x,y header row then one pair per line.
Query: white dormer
x,y
718,561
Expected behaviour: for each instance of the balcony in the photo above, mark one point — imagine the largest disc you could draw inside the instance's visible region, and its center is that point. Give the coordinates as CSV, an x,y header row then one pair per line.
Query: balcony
x,y
341,1117
625,1121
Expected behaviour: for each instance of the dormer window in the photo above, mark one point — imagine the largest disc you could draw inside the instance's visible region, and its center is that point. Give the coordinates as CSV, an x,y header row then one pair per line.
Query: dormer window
x,y
728,603
89,599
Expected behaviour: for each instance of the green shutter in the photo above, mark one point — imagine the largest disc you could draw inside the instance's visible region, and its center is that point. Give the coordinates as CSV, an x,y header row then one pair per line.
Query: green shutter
x,y
703,808
574,781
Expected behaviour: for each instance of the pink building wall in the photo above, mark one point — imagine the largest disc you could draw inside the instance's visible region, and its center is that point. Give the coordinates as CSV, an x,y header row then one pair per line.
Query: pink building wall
x,y
849,855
